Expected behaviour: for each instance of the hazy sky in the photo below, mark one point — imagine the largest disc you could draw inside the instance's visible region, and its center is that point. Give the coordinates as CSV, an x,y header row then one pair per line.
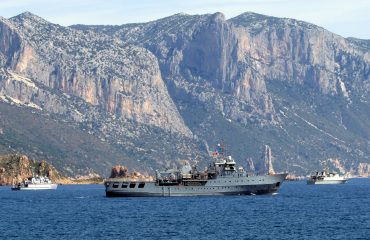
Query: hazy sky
x,y
344,17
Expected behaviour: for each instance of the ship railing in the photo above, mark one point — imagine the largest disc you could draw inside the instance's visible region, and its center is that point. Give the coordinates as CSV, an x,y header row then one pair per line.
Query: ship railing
x,y
125,179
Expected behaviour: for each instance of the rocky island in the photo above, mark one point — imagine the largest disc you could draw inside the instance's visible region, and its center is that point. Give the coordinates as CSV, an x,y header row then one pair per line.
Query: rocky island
x,y
15,168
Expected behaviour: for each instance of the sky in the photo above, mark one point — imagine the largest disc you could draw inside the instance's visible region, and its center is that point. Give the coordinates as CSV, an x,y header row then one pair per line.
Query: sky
x,y
348,18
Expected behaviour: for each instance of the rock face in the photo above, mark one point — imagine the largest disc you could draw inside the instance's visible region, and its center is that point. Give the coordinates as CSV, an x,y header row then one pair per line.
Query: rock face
x,y
265,165
236,57
250,165
268,159
119,171
122,172
200,59
300,52
163,91
106,87
363,170
123,80
15,168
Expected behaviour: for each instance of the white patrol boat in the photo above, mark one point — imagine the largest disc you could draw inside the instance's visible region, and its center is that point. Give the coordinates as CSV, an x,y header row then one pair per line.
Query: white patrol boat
x,y
35,183
326,177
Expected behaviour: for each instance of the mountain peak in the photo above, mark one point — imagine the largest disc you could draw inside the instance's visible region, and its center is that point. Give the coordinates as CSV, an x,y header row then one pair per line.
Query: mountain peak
x,y
28,17
252,14
219,16
256,21
251,17
173,17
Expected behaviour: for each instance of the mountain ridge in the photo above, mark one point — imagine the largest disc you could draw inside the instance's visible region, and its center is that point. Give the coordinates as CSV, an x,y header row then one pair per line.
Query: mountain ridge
x,y
251,80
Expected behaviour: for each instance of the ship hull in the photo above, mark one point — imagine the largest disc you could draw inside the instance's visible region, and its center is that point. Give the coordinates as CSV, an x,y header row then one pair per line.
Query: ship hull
x,y
36,187
322,182
224,186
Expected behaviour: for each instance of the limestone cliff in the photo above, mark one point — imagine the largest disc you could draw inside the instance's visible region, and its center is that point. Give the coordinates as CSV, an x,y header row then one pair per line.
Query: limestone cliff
x,y
199,59
158,92
292,50
226,63
263,80
104,88
121,79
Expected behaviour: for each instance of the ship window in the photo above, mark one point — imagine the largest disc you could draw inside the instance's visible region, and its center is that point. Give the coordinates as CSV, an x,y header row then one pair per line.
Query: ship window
x,y
141,185
132,185
124,185
115,185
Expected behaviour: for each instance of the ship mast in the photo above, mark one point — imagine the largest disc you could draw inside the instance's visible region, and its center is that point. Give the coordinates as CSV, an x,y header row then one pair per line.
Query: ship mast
x,y
221,149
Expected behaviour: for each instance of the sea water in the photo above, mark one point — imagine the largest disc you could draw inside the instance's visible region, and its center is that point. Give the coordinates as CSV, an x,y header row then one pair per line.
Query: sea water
x,y
298,211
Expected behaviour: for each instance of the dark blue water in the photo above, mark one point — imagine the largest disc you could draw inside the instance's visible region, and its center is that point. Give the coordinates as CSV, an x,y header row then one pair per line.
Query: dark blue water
x,y
299,211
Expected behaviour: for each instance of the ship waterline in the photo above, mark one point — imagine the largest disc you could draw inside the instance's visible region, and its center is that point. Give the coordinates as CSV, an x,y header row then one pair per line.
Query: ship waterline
x,y
30,187
343,181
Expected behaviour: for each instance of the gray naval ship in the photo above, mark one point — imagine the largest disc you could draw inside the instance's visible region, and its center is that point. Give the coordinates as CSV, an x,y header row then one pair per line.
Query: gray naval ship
x,y
220,178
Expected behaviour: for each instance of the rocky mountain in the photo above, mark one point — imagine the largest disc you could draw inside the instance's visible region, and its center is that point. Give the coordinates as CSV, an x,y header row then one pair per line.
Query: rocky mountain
x,y
122,172
151,94
15,168
89,94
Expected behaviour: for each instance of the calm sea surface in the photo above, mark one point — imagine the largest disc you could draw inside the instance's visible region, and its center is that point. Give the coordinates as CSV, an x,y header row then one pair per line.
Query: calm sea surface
x,y
299,211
